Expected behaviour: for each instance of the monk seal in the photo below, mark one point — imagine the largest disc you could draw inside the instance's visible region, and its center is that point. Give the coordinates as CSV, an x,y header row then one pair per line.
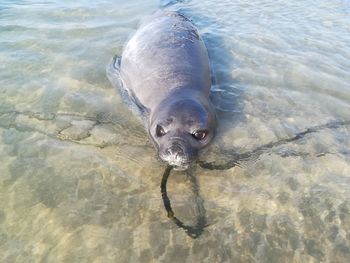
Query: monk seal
x,y
165,69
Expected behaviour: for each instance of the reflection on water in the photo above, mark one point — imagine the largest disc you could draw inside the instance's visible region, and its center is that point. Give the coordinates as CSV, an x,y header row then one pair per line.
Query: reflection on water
x,y
79,179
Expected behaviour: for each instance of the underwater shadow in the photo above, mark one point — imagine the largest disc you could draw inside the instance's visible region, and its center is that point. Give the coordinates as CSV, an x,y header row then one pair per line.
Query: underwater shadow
x,y
201,221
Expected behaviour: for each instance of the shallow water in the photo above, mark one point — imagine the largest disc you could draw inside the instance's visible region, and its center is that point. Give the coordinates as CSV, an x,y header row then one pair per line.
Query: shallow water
x,y
79,178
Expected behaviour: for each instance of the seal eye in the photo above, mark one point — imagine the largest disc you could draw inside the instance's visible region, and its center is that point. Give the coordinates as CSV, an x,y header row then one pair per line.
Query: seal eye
x,y
160,131
200,134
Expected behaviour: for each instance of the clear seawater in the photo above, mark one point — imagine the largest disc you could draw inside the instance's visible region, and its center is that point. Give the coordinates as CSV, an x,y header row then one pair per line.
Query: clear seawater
x,y
79,177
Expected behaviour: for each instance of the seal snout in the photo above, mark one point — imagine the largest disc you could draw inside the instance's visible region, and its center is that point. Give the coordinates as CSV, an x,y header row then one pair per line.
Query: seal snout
x,y
175,151
177,155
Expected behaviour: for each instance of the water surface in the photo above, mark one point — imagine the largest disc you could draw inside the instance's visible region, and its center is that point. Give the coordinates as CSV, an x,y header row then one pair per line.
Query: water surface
x,y
79,178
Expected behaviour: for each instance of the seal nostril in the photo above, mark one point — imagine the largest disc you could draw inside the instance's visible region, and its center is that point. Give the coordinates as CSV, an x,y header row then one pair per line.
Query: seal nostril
x,y
175,150
168,152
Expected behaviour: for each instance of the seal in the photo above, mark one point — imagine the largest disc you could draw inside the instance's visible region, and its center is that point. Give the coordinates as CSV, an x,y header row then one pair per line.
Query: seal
x,y
165,69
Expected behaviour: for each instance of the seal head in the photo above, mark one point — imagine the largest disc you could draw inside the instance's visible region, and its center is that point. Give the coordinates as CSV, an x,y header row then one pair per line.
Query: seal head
x,y
180,128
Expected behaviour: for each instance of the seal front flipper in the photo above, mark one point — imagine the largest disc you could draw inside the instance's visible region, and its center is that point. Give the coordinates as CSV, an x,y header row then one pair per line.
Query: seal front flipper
x,y
113,72
114,76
